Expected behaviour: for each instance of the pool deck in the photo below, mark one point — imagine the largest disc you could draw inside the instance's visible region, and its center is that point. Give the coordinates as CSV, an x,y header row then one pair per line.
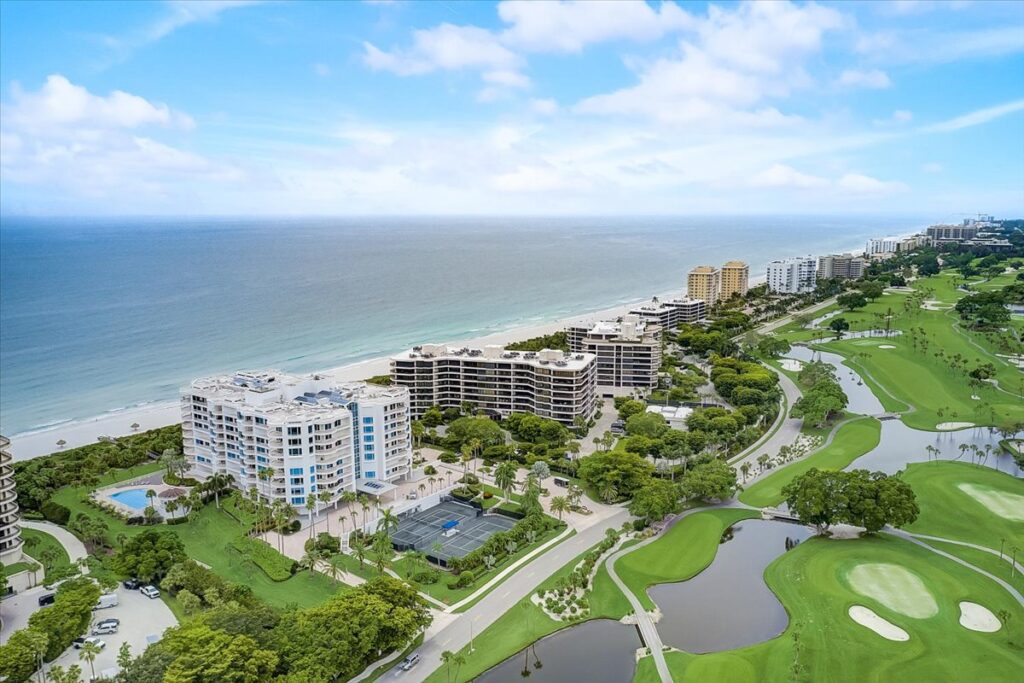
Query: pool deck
x,y
146,483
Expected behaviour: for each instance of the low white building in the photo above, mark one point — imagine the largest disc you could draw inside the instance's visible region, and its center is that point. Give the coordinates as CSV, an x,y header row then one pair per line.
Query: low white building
x,y
289,436
675,416
883,245
793,275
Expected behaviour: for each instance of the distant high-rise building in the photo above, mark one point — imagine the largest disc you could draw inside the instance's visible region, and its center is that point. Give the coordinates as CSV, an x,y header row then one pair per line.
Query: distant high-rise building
x,y
793,275
938,234
883,245
841,266
671,313
10,522
704,282
735,279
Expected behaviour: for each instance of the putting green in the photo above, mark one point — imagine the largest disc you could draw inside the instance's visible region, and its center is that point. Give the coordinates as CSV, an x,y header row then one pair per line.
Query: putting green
x,y
1003,503
895,587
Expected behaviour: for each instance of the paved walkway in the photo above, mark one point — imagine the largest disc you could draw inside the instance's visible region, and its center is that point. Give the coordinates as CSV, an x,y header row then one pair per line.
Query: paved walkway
x,y
785,435
74,547
455,635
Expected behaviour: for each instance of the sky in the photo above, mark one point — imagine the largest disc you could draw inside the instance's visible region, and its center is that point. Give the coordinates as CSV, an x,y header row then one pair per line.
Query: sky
x,y
618,108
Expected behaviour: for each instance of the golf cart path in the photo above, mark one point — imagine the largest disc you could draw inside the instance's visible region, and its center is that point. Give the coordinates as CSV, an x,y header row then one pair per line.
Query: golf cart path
x,y
74,547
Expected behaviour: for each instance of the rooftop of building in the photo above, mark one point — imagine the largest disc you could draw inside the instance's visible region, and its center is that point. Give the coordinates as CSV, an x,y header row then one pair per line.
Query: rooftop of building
x,y
671,412
655,305
792,259
704,270
561,360
627,327
734,265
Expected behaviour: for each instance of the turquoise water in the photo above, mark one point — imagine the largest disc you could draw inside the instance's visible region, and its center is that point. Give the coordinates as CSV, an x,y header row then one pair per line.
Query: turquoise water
x,y
99,315
133,498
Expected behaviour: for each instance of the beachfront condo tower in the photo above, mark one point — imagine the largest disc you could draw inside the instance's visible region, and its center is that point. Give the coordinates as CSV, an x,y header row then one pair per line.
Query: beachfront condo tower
x,y
705,283
841,266
628,352
793,275
671,313
735,279
289,436
553,384
10,522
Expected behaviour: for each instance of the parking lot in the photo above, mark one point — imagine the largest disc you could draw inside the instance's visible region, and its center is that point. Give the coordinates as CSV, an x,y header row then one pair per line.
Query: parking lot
x,y
140,617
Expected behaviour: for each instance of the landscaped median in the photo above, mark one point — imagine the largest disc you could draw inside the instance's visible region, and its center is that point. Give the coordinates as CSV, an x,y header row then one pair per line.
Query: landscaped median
x,y
852,440
923,594
681,553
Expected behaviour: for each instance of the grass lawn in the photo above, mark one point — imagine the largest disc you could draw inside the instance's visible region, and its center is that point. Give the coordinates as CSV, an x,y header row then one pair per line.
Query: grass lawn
x,y
809,581
683,552
853,440
987,561
38,542
10,569
525,622
970,515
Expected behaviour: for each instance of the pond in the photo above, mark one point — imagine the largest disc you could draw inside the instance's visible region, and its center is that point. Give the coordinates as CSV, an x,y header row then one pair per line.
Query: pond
x,y
597,651
861,400
728,605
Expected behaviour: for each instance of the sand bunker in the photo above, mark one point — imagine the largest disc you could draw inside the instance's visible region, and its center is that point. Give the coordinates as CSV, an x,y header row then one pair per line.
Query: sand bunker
x,y
950,426
886,346
934,305
1003,503
978,618
868,619
895,587
791,365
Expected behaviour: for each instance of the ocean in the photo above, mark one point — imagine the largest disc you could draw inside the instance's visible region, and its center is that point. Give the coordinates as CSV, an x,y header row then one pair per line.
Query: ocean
x,y
99,315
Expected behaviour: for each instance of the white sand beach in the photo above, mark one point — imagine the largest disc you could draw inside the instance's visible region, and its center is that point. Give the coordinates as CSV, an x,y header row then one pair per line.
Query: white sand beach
x,y
82,432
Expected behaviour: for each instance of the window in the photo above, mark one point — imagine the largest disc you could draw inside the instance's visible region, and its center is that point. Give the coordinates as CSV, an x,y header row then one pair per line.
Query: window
x,y
367,420
295,470
294,430
298,500
294,451
261,420
312,468
367,430
368,438
370,474
369,456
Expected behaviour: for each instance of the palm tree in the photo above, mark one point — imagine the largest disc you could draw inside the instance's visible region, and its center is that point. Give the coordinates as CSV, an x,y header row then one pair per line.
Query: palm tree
x,y
335,567
467,455
121,538
364,503
218,483
422,489
311,505
388,522
355,519
745,469
505,477
88,653
382,550
359,547
150,495
560,505
432,482
325,496
171,506
450,659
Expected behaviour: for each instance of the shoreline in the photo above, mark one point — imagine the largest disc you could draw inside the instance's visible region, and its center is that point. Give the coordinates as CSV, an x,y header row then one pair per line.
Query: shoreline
x,y
43,441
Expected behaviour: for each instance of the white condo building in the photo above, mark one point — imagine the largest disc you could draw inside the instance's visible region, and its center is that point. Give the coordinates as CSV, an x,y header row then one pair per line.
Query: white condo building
x,y
10,522
793,275
883,245
552,384
305,434
628,350
671,313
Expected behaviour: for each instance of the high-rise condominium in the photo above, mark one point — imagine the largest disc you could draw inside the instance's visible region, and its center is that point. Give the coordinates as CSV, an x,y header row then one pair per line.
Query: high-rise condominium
x,y
628,351
289,436
704,282
793,275
735,279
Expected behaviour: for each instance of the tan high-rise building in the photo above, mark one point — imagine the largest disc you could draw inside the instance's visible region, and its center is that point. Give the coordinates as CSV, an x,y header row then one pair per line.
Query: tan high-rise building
x,y
704,282
735,278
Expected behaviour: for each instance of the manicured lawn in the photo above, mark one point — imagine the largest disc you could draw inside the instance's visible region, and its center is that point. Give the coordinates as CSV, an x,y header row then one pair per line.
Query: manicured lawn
x,y
525,622
683,552
38,542
853,440
947,510
809,581
987,561
14,568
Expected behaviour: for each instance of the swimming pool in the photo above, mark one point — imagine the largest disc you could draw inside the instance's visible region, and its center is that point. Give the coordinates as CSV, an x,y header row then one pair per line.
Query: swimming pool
x,y
133,498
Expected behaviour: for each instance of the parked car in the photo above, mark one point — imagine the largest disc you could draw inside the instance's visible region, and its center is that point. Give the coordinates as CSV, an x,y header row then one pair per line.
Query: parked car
x,y
109,620
151,592
560,481
105,601
79,642
47,599
104,629
409,662
132,584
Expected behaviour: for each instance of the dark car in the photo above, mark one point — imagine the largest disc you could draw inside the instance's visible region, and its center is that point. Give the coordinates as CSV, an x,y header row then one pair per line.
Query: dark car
x,y
132,584
47,599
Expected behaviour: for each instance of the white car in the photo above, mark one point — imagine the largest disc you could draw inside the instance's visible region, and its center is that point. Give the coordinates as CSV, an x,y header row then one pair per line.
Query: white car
x,y
79,642
151,592
104,628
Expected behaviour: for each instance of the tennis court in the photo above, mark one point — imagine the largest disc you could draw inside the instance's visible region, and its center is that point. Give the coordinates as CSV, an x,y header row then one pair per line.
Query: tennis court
x,y
421,530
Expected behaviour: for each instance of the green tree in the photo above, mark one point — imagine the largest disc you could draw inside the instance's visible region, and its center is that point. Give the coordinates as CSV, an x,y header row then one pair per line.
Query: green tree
x,y
560,505
204,655
631,407
149,555
715,479
839,325
655,500
88,652
852,301
382,550
451,659
124,655
614,473
58,674
505,477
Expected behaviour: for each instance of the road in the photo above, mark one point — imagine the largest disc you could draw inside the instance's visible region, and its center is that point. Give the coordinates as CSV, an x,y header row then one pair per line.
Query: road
x,y
74,547
455,635
773,325
785,435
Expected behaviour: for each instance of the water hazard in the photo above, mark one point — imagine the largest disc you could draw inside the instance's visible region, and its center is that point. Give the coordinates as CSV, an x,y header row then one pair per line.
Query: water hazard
x,y
728,605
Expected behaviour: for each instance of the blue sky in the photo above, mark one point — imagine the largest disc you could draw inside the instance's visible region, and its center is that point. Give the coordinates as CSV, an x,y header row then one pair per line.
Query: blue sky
x,y
268,108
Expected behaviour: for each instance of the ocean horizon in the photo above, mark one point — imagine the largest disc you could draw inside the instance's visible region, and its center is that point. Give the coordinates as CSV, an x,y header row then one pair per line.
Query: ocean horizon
x,y
99,315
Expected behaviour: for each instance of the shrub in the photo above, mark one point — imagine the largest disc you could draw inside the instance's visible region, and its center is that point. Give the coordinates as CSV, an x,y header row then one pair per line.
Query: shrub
x,y
448,457
274,564
429,470
55,512
293,527
324,542
470,479
171,521
488,495
68,617
428,577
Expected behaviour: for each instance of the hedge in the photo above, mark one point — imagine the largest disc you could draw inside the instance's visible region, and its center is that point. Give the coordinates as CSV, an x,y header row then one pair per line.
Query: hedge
x,y
55,512
495,545
274,564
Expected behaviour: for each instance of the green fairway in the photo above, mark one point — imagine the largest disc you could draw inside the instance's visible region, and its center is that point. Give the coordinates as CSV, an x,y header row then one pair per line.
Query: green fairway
x,y
987,561
853,440
525,623
960,501
829,646
684,551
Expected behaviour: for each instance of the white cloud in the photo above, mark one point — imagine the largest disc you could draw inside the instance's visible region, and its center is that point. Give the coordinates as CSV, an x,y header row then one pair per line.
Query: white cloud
x,y
444,48
322,70
780,175
715,81
62,103
569,26
975,118
509,79
932,167
927,46
875,79
366,135
537,178
866,185
545,107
